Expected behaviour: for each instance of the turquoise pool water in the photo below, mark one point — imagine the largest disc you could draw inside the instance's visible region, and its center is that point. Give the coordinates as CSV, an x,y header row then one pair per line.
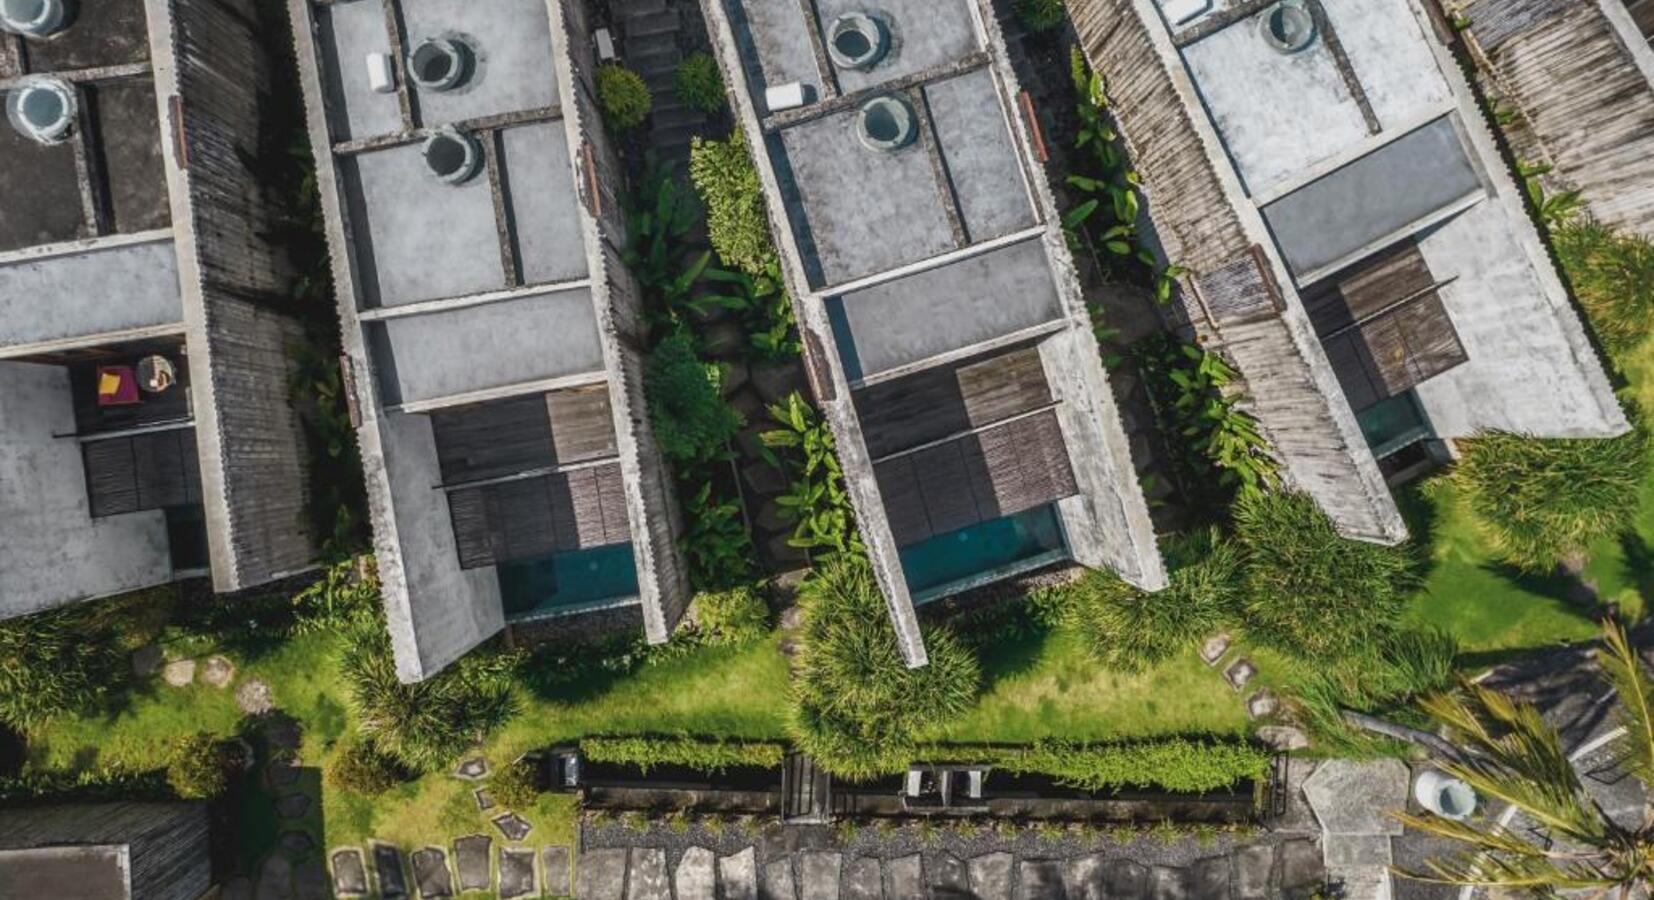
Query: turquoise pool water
x,y
1393,424
568,582
1025,540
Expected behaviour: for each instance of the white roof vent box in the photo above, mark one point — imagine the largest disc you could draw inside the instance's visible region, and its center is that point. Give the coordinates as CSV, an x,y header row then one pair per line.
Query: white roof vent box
x,y
1288,26
453,156
43,109
441,63
34,18
858,41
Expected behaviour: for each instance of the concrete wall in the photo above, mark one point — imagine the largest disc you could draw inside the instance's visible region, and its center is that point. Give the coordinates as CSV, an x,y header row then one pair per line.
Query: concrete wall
x,y
52,552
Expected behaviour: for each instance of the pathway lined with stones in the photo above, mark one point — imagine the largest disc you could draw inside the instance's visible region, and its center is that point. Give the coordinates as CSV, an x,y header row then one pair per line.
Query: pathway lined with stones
x,y
1351,800
473,863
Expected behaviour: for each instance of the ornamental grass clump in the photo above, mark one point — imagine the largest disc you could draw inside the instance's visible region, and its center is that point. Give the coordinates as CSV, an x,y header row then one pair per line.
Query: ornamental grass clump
x,y
1612,273
56,663
623,95
1308,590
698,82
1128,629
856,706
1543,501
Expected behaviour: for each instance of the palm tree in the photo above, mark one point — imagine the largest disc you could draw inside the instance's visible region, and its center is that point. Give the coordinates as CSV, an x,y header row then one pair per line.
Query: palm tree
x,y
1509,754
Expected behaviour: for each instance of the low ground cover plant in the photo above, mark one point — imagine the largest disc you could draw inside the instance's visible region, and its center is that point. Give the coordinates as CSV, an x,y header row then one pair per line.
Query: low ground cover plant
x,y
1385,680
57,662
739,615
198,767
515,784
1612,273
1041,15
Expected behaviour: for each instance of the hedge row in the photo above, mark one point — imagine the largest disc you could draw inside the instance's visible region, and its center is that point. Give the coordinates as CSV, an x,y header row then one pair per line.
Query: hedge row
x,y
94,785
1180,765
695,753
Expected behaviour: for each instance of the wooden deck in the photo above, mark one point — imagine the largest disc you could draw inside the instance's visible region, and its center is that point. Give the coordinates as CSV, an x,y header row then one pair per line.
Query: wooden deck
x,y
1383,326
941,403
532,475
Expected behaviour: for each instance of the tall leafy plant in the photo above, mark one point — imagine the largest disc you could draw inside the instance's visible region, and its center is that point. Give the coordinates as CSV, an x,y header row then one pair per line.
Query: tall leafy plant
x,y
692,421
1195,393
715,540
816,501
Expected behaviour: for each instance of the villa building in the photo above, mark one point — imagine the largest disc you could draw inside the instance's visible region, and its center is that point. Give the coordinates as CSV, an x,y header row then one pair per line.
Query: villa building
x,y
1355,243
492,336
1578,77
146,431
944,331
107,851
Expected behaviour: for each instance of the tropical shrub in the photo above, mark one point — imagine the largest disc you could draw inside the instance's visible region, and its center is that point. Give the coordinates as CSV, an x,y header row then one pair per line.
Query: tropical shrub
x,y
692,421
343,594
1612,273
426,724
816,501
856,706
1041,15
701,754
1308,590
360,767
1129,630
197,768
739,615
1195,397
56,663
736,222
1545,500
1184,765
715,541
698,82
623,95
514,785
662,213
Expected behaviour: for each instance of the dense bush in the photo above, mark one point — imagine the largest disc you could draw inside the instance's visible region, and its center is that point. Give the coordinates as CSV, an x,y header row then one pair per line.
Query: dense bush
x,y
706,755
514,785
343,594
736,223
857,708
1612,274
1183,765
623,95
1129,630
425,725
55,663
1544,500
1308,590
361,768
692,421
739,615
1041,15
698,82
197,767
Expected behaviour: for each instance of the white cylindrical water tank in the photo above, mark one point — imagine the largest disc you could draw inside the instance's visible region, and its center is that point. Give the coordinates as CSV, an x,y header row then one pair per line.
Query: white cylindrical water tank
x,y
1444,795
33,18
43,109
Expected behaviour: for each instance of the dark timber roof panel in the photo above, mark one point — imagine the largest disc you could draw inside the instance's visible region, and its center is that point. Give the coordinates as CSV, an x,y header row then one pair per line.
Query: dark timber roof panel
x,y
942,402
533,517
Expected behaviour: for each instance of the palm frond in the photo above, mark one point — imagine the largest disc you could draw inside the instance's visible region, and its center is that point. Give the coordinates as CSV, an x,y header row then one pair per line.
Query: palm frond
x,y
1624,672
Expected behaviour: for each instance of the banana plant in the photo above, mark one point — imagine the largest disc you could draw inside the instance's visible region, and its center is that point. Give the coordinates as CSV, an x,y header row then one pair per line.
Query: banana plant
x,y
816,501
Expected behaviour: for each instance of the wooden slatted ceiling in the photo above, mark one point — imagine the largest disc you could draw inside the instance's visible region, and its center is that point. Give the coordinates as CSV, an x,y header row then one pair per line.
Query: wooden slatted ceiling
x,y
1383,326
532,517
937,403
1001,471
146,471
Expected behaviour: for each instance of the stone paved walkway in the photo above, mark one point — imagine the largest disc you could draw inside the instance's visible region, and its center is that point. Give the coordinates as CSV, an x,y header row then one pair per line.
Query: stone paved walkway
x,y
1352,801
472,863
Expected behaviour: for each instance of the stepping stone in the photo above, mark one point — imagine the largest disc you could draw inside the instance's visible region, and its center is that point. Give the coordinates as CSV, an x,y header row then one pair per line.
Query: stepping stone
x,y
1214,648
647,880
737,875
1167,883
179,673
949,879
602,875
1210,877
1301,867
255,698
1283,737
1039,879
1355,851
1125,879
1252,866
350,876
904,878
473,769
310,881
991,876
275,879
513,826
1083,877
297,843
1239,673
818,875
430,869
776,882
280,773
293,806
555,859
485,800
146,660
237,888
471,861
283,733
697,875
1353,797
387,865
218,671
1261,704
517,874
862,880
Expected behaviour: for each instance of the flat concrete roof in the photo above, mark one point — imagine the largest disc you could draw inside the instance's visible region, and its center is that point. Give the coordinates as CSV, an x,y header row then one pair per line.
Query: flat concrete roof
x,y
1281,114
67,873
944,310
89,292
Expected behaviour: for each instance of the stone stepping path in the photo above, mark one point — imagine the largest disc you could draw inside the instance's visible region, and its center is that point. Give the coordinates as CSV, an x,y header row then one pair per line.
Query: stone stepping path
x,y
1284,870
1350,800
474,863
431,874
